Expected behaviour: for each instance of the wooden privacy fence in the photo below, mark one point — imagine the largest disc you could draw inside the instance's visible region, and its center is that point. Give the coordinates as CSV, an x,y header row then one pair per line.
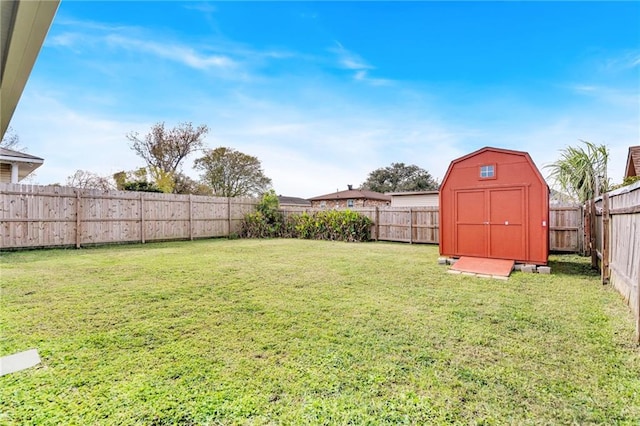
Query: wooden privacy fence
x,y
48,216
614,222
566,228
421,225
45,216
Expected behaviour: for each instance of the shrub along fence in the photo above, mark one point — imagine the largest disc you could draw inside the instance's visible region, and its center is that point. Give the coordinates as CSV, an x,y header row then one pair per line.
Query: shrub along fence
x,y
421,225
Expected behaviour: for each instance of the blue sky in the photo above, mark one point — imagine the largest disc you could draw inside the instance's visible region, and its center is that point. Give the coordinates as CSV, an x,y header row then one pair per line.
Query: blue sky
x,y
325,92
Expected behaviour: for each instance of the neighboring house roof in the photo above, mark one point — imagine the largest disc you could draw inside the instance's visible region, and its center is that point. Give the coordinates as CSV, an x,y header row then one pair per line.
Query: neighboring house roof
x,y
293,201
27,163
354,194
412,193
633,162
11,155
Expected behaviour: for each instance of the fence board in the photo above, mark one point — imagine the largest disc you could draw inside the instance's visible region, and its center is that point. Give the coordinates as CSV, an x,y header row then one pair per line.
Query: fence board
x,y
566,229
47,216
618,244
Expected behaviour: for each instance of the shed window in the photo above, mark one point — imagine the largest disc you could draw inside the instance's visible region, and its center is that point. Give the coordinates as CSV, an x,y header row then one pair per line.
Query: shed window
x,y
323,204
487,172
349,203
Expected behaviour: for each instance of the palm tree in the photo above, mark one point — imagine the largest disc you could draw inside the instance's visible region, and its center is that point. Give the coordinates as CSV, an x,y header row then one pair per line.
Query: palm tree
x,y
582,171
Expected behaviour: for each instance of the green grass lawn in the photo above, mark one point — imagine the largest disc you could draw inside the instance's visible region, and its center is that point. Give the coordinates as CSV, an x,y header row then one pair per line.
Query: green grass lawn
x,y
309,332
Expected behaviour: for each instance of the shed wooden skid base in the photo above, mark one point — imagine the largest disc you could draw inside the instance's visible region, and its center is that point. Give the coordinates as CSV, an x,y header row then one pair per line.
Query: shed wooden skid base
x,y
469,267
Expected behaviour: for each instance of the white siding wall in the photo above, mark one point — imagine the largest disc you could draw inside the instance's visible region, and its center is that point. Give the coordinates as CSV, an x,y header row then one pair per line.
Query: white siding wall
x,y
417,200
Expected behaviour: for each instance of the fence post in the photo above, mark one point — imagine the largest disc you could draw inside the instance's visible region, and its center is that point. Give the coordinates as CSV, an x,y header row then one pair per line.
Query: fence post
x,y
377,216
190,218
638,312
581,232
592,233
605,239
142,217
228,216
78,221
410,225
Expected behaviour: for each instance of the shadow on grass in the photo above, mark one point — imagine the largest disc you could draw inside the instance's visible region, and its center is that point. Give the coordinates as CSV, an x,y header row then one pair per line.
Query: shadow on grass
x,y
572,264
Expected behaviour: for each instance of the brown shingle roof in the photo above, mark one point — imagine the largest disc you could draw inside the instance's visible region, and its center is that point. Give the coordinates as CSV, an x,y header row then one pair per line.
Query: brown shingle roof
x,y
355,194
633,162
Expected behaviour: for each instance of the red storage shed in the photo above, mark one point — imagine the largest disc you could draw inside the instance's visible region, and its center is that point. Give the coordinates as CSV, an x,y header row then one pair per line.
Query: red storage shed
x,y
494,203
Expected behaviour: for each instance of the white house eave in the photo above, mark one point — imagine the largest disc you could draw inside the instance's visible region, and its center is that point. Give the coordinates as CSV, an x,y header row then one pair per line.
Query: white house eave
x,y
28,23
21,160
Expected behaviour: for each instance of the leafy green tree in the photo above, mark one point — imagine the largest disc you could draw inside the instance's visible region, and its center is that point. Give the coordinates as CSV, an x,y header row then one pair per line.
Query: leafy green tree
x,y
231,173
582,171
136,180
164,150
400,178
185,185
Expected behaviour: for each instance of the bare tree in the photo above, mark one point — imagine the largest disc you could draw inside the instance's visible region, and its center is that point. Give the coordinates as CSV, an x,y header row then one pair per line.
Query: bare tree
x,y
11,140
164,149
88,180
232,173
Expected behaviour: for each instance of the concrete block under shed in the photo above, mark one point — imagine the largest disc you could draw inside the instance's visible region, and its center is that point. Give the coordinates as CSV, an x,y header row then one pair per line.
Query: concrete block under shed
x,y
529,269
500,277
544,269
442,261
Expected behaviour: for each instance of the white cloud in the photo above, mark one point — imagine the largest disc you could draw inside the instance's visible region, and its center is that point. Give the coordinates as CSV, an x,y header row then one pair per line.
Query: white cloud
x,y
347,59
201,6
623,62
174,52
362,75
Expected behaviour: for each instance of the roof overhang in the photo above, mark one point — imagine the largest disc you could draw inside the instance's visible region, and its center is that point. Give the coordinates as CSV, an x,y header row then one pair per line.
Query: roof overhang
x,y
402,194
633,162
24,26
26,163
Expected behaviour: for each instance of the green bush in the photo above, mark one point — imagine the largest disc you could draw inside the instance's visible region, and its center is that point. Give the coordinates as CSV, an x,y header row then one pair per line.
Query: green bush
x,y
267,221
332,225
